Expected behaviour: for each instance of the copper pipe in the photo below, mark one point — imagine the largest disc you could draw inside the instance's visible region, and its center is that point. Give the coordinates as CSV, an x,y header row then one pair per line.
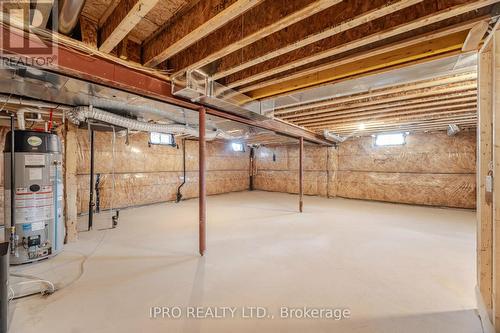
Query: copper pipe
x,y
301,174
202,190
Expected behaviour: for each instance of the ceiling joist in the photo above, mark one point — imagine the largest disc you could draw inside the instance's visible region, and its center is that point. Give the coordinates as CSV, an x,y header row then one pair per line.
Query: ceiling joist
x,y
389,26
201,20
122,20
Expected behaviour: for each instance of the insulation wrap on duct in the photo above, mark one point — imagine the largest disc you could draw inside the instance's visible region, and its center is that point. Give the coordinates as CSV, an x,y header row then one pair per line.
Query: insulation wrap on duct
x,y
332,136
82,113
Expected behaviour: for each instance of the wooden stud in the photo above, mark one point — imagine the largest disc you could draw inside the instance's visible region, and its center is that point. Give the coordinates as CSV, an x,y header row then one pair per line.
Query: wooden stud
x,y
484,157
496,181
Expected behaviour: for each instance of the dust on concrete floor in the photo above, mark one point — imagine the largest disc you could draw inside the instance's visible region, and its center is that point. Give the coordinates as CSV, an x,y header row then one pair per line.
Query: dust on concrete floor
x,y
398,268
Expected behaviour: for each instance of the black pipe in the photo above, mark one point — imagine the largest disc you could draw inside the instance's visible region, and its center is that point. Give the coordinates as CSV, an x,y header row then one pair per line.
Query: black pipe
x,y
12,185
4,294
97,193
179,194
91,193
252,161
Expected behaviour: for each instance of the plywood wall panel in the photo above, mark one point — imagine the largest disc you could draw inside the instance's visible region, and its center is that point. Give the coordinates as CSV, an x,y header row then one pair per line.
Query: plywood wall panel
x,y
450,162
450,190
146,174
430,169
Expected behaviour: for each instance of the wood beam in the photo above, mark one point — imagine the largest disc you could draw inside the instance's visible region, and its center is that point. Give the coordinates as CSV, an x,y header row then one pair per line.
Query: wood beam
x,y
415,115
398,24
346,68
398,93
442,122
467,124
202,19
439,82
303,28
496,181
122,20
387,107
484,209
470,103
261,21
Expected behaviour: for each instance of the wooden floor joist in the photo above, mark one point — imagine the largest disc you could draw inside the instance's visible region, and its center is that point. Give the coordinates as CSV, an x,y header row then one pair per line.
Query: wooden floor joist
x,y
441,124
122,20
413,115
438,86
327,23
263,20
423,52
441,100
202,19
470,102
314,52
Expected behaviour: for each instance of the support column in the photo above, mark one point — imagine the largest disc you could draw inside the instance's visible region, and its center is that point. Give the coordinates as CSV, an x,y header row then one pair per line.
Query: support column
x,y
91,181
301,174
202,185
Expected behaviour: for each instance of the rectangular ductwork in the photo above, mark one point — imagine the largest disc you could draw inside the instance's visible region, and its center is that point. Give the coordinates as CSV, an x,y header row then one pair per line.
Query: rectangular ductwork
x,y
199,87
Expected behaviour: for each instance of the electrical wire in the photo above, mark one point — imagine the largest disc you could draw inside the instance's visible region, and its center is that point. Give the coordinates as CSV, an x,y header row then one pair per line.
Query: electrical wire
x,y
33,279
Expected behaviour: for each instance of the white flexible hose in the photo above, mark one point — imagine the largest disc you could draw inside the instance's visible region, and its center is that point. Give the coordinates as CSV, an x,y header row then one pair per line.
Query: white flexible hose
x,y
82,113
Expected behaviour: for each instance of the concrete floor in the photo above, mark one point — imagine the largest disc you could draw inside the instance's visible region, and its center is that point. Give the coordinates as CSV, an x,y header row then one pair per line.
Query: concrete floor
x,y
398,268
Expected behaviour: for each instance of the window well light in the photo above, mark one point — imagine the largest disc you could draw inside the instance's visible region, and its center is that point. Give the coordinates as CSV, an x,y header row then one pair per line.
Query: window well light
x,y
392,139
237,146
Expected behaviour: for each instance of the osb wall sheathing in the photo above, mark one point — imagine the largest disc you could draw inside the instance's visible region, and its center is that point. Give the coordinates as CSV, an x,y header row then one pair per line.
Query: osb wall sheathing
x,y
280,173
150,174
430,169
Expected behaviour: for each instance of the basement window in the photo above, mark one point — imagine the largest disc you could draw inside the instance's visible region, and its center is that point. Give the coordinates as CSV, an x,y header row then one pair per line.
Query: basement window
x,y
165,139
237,147
393,139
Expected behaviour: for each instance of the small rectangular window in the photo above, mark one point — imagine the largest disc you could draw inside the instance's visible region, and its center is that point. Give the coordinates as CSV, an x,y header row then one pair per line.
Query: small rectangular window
x,y
393,139
161,139
237,146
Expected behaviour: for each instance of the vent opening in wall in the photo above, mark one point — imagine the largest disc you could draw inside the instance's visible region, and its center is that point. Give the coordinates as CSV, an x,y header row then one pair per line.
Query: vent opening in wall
x,y
392,139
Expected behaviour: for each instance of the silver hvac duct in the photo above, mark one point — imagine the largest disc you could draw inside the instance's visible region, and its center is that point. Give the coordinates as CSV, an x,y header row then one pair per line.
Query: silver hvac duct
x,y
332,136
69,13
82,113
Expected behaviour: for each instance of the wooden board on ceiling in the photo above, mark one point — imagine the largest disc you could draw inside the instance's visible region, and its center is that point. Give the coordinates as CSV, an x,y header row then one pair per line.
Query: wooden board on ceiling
x,y
158,17
95,9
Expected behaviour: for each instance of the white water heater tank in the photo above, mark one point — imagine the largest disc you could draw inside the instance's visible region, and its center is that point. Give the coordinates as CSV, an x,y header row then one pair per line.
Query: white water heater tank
x,y
38,196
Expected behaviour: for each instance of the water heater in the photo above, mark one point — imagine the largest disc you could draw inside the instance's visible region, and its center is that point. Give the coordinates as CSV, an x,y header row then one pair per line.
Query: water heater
x,y
38,231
